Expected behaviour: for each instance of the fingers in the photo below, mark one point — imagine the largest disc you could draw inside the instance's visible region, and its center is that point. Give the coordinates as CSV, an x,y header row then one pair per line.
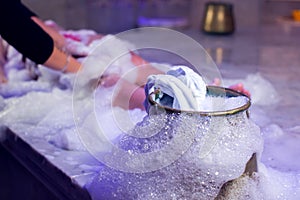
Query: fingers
x,y
137,60
216,82
129,96
3,79
93,38
240,88
109,80
237,87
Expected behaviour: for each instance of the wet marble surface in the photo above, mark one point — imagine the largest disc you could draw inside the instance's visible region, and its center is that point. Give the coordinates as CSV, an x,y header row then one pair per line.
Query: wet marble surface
x,y
272,51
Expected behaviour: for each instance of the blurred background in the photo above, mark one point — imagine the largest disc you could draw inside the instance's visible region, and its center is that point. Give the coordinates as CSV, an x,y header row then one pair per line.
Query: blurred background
x,y
111,16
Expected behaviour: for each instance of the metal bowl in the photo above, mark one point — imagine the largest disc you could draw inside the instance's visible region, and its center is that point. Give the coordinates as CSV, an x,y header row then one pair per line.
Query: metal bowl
x,y
211,91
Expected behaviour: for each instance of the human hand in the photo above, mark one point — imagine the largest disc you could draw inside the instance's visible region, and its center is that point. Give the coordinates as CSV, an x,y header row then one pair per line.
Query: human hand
x,y
137,60
77,42
3,79
108,80
239,87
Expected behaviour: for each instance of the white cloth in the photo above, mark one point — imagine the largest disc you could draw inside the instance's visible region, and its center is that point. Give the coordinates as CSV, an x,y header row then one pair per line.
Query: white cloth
x,y
192,80
186,88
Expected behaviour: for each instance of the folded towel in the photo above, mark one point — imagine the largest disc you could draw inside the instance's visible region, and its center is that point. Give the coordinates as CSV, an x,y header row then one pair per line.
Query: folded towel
x,y
180,88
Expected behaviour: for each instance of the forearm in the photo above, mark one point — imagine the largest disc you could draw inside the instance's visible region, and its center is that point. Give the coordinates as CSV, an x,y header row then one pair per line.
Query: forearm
x,y
2,74
140,74
2,62
143,72
60,60
128,95
59,40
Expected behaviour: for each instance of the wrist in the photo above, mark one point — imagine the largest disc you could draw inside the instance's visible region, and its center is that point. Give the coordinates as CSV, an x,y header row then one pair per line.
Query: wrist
x,y
61,61
64,69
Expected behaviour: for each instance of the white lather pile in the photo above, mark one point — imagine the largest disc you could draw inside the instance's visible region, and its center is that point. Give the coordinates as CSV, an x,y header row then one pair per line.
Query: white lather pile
x,y
43,109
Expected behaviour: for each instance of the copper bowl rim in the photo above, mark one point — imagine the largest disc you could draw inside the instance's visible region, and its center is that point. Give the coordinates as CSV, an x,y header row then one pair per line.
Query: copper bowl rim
x,y
221,90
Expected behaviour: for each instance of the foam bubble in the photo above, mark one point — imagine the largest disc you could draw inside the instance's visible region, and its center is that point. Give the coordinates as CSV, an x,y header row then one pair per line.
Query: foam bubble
x,y
213,103
199,173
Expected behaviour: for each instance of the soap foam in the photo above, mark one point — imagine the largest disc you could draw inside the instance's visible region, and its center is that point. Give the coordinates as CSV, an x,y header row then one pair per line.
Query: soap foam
x,y
34,108
198,173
